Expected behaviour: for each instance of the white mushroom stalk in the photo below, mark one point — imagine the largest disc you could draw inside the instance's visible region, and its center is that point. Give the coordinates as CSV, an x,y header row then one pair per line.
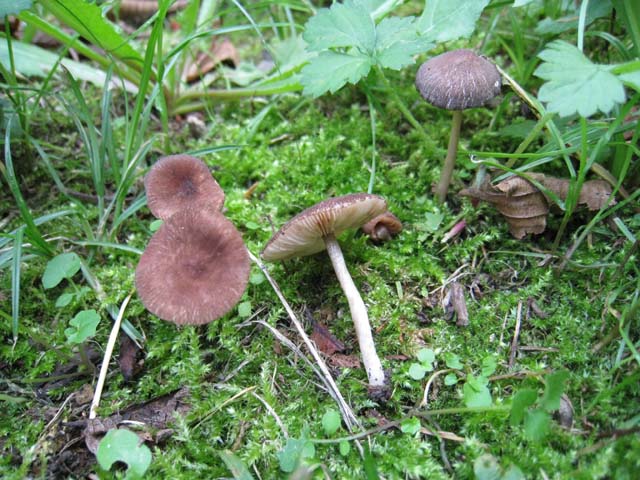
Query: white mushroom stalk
x,y
359,315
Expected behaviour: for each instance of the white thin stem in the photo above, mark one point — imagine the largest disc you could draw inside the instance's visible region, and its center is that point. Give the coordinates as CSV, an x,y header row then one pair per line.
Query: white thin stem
x,y
359,315
107,358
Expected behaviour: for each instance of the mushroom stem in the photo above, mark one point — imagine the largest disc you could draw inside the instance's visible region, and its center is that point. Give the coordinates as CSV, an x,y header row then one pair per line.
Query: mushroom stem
x,y
370,358
450,161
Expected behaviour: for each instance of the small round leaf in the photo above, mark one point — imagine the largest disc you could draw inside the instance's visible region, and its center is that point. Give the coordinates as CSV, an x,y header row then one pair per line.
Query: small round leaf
x,y
62,266
122,445
331,422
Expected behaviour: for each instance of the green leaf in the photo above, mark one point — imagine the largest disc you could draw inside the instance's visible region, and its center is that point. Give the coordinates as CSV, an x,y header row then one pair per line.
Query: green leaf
x,y
256,278
444,20
83,326
574,84
64,300
426,356
410,425
244,309
631,79
536,424
294,450
13,7
330,71
344,447
554,387
397,42
433,221
450,379
476,393
237,467
62,266
452,360
155,225
513,473
345,24
486,467
124,446
331,422
417,371
522,400
488,365
87,19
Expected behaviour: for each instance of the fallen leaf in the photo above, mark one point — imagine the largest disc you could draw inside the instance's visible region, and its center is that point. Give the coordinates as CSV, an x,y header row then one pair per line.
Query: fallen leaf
x,y
128,358
525,207
221,52
344,361
325,341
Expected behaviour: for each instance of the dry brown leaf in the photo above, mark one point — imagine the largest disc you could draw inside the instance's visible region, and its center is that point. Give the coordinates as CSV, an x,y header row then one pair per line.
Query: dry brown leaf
x,y
221,52
344,361
525,207
325,341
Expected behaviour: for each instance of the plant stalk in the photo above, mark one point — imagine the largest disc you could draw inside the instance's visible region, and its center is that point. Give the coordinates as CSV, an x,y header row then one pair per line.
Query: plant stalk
x,y
359,315
450,160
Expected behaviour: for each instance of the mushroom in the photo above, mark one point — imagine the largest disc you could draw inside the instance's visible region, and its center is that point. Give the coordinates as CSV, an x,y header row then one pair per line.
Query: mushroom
x,y
383,227
195,268
177,182
315,229
456,80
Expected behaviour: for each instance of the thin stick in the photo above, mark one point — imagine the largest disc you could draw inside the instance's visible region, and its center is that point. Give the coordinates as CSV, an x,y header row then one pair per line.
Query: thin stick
x,y
516,335
107,358
349,417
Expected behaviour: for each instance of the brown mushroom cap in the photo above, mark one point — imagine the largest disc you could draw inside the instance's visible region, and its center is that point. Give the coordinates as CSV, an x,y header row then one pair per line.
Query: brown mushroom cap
x,y
303,234
178,182
382,227
458,80
194,269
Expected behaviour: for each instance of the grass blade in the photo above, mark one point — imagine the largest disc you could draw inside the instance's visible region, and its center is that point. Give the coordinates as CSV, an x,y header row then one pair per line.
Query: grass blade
x,y
15,282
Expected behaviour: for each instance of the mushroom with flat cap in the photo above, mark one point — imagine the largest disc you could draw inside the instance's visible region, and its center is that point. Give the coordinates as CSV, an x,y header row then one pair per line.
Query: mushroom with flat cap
x,y
314,230
177,182
195,268
456,80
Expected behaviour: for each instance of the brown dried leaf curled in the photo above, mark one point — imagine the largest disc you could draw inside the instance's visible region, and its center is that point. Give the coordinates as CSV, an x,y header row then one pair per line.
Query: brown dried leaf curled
x,y
525,207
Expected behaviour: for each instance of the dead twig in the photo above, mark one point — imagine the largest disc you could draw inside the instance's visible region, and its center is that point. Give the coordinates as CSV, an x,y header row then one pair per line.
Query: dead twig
x,y
516,335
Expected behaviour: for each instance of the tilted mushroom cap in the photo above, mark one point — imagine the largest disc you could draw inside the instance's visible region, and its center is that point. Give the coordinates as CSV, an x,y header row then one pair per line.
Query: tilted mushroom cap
x,y
382,227
177,182
458,80
194,269
303,234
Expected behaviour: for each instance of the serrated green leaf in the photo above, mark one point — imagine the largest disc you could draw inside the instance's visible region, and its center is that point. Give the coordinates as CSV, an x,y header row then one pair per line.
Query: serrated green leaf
x,y
124,446
444,20
331,422
522,400
347,24
330,71
410,426
397,42
14,7
574,84
476,393
87,19
417,371
536,424
488,365
554,387
62,266
450,379
452,360
83,326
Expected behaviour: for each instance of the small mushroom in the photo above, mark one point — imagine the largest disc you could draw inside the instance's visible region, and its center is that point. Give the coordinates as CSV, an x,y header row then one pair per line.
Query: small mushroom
x,y
178,182
383,227
195,268
315,229
456,80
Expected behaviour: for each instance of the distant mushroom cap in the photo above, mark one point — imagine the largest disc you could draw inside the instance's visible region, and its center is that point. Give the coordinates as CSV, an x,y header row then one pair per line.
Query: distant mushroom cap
x,y
382,227
178,182
195,268
458,80
303,234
